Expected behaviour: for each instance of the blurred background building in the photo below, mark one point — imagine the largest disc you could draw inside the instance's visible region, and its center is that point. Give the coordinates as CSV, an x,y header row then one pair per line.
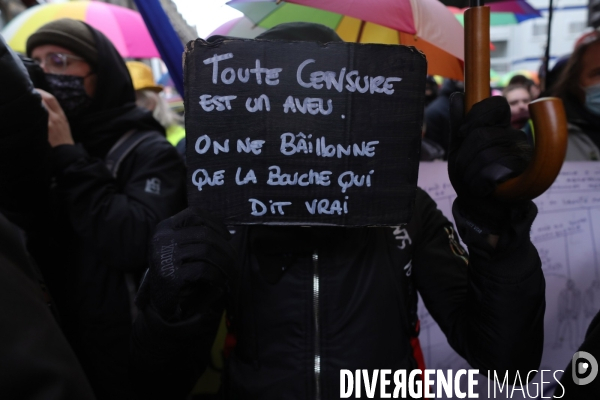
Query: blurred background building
x,y
522,46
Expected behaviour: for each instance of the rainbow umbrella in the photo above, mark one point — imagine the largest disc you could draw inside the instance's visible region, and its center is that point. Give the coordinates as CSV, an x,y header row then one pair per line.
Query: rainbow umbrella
x,y
240,27
425,24
504,17
518,7
124,27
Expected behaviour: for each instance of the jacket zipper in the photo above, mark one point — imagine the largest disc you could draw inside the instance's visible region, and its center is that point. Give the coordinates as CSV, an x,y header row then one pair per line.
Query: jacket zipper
x,y
317,368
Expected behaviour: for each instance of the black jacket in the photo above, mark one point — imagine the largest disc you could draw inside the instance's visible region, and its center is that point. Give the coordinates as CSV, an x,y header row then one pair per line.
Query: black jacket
x,y
98,234
100,225
36,360
437,116
359,314
23,144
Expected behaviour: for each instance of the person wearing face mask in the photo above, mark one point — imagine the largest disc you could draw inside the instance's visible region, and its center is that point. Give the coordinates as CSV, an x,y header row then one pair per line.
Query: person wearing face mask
x,y
579,88
115,177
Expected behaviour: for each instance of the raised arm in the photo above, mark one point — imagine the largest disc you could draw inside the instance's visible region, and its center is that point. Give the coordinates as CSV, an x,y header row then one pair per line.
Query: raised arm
x,y
491,308
489,303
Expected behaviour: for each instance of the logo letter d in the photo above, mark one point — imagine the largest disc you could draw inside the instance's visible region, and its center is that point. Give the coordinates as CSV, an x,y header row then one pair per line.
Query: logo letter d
x,y
580,368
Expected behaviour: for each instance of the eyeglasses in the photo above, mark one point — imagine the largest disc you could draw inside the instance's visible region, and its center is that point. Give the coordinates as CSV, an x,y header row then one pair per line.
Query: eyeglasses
x,y
56,63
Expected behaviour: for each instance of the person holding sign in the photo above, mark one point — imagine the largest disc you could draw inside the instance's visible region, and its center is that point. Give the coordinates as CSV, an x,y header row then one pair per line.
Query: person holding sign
x,y
116,177
310,306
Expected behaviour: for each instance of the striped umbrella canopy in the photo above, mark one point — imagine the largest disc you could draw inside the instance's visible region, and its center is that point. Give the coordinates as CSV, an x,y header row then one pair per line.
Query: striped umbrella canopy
x,y
241,27
124,27
501,14
427,25
514,6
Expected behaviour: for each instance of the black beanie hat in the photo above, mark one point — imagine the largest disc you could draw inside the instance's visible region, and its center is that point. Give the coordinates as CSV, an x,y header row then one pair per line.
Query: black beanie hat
x,y
68,33
301,31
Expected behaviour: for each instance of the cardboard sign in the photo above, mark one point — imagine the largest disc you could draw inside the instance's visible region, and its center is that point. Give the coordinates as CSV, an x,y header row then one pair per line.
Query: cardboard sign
x,y
303,133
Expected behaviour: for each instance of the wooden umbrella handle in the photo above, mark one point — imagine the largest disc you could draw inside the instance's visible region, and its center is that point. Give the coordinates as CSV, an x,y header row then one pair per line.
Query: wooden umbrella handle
x,y
548,114
550,129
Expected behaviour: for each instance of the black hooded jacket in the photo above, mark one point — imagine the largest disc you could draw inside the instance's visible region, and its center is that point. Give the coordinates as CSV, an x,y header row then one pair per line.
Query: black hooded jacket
x,y
307,302
311,301
100,225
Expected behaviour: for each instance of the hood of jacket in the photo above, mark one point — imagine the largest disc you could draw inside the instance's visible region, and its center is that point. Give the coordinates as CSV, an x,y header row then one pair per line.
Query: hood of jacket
x,y
113,111
450,86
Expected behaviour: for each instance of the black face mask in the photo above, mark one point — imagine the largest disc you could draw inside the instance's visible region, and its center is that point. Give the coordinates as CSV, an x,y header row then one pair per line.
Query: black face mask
x,y
70,93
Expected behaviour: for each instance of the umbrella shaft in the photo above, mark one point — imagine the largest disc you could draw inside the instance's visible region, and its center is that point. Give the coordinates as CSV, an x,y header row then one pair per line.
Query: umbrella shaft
x,y
477,55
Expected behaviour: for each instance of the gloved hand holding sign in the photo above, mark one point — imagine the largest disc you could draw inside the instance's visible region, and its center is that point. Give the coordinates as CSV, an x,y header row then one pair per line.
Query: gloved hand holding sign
x,y
191,265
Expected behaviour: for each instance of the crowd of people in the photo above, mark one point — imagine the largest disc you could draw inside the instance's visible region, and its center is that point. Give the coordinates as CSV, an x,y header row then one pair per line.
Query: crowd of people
x,y
574,78
113,289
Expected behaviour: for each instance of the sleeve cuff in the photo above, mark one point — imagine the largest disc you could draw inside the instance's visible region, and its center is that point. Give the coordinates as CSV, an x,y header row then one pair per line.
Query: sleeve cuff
x,y
514,256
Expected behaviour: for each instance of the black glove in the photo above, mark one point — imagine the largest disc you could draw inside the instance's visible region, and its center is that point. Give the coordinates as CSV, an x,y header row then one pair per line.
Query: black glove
x,y
191,267
484,152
